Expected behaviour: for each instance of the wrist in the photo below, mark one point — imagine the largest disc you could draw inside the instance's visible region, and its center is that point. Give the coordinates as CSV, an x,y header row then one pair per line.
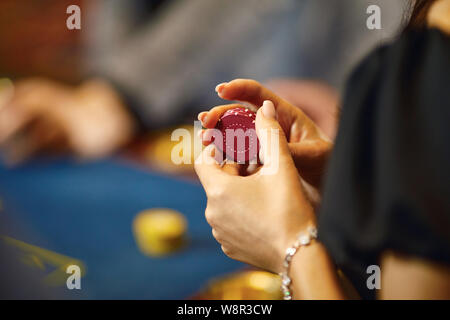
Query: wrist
x,y
291,234
303,239
314,274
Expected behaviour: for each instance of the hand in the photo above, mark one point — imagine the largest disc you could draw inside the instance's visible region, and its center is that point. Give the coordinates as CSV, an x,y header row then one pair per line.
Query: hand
x,y
309,146
256,217
317,100
88,120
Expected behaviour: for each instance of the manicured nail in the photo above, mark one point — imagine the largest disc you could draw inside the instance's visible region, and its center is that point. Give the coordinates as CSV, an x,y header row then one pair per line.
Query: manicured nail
x,y
220,87
268,110
261,155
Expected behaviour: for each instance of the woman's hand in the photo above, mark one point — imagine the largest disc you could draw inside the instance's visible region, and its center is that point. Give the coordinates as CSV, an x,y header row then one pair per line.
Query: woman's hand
x,y
256,217
39,114
317,100
309,146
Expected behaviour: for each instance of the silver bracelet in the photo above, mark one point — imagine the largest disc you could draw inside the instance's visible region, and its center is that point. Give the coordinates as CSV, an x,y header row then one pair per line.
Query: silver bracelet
x,y
303,239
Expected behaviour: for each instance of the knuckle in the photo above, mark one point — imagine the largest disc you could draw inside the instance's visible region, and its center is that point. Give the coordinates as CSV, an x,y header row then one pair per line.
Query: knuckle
x,y
216,234
253,83
210,217
227,251
216,193
246,81
197,164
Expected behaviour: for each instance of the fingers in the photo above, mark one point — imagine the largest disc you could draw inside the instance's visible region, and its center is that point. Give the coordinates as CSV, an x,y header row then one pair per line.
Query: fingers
x,y
310,150
6,91
19,148
311,157
207,168
208,136
12,120
232,168
317,100
210,118
249,91
36,136
22,133
274,145
31,98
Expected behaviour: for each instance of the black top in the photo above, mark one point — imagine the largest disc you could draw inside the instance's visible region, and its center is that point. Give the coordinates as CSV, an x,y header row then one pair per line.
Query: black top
x,y
388,182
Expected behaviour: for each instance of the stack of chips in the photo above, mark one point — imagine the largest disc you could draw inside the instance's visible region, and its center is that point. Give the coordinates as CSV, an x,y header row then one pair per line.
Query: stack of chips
x,y
159,231
244,285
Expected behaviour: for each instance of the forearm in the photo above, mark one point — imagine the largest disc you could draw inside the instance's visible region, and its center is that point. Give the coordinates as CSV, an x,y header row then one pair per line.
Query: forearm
x,y
314,275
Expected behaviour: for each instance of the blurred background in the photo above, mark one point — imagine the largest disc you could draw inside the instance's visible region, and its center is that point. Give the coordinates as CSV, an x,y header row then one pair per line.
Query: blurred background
x,y
86,117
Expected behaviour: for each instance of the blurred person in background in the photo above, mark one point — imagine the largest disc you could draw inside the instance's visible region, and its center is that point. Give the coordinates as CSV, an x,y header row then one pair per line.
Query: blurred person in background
x,y
150,62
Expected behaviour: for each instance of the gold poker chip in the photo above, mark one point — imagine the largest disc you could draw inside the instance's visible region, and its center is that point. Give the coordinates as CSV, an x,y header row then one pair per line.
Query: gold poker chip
x,y
159,231
244,285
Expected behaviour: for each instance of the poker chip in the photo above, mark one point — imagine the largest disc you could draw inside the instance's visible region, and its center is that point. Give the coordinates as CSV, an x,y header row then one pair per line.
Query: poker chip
x,y
243,285
239,140
159,231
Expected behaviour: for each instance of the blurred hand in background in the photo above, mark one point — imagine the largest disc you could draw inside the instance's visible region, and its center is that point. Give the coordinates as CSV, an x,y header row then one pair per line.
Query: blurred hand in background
x,y
37,114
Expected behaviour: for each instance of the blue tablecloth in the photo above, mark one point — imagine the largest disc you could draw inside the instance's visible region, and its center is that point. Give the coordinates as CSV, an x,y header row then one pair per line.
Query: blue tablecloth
x,y
85,211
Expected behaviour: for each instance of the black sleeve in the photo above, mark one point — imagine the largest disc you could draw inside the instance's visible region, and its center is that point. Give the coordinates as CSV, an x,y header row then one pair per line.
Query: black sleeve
x,y
388,182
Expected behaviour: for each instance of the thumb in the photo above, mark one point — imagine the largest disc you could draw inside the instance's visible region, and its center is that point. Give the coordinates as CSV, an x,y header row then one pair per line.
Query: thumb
x,y
208,170
273,143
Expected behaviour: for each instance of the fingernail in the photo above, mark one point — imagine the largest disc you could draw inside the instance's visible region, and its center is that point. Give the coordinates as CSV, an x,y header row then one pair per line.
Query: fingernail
x,y
261,155
219,87
202,116
268,110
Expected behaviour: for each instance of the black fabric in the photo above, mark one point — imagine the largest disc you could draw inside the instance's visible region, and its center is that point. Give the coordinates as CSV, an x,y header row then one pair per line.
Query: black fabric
x,y
388,182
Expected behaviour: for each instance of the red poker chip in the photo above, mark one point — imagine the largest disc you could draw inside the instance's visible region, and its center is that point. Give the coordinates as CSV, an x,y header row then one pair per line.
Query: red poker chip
x,y
240,142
